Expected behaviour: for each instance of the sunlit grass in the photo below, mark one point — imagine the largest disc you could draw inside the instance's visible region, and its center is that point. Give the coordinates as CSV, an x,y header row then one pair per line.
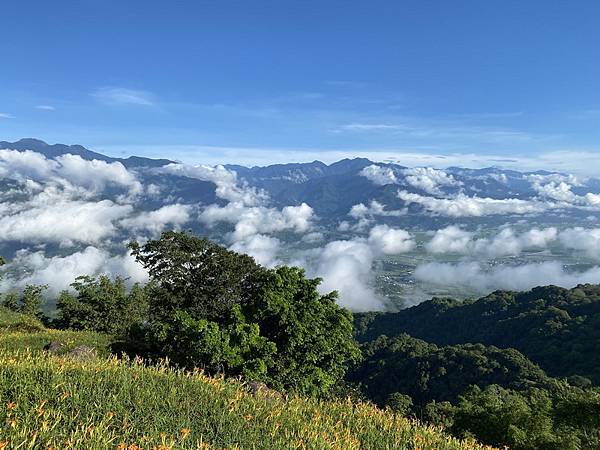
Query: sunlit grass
x,y
59,402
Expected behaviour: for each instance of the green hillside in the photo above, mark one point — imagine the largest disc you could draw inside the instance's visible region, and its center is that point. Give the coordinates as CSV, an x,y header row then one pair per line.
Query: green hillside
x,y
558,329
63,402
428,373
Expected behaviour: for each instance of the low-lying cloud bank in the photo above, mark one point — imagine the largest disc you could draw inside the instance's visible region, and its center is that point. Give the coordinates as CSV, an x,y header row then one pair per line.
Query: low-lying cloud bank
x,y
464,206
481,278
509,242
346,265
59,272
89,208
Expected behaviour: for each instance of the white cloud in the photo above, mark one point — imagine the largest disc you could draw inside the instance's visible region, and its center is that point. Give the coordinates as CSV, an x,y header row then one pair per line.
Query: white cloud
x,y
557,191
123,96
465,206
485,279
250,220
345,266
582,239
45,107
55,200
429,179
52,216
263,249
359,127
559,187
375,208
59,272
93,175
228,186
366,215
6,116
379,175
156,221
453,239
96,175
390,241
537,179
24,165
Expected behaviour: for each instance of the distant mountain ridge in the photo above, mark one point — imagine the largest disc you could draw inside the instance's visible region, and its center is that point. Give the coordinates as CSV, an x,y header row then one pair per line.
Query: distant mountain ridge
x,y
54,150
333,189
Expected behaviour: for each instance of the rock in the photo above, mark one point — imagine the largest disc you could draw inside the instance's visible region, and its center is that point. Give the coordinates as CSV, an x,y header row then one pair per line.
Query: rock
x,y
82,352
54,347
258,388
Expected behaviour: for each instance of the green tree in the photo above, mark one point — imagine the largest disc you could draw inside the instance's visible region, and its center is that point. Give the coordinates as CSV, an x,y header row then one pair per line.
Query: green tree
x,y
32,299
234,349
312,334
10,300
102,305
214,308
194,275
400,403
522,421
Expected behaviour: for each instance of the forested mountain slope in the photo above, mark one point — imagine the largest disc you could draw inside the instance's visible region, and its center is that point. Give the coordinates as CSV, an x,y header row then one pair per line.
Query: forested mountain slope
x,y
557,328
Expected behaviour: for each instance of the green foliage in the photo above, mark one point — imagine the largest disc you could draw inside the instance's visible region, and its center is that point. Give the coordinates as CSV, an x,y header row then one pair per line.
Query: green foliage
x,y
102,305
32,299
10,301
311,333
213,308
400,403
427,372
497,395
234,349
19,332
558,329
11,321
29,302
60,402
194,275
561,419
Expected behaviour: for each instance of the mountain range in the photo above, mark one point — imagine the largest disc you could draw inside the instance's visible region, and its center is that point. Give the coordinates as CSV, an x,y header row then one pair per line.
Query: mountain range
x,y
332,190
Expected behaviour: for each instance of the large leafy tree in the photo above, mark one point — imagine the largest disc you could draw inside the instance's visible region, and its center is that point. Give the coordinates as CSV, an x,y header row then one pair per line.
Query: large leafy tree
x,y
312,334
216,309
192,274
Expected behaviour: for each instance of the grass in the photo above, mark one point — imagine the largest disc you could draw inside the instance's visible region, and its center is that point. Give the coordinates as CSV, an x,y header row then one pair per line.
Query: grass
x,y
19,332
59,402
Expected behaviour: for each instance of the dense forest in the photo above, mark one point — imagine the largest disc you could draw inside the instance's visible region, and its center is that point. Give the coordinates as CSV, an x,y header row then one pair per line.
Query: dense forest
x,y
514,369
557,328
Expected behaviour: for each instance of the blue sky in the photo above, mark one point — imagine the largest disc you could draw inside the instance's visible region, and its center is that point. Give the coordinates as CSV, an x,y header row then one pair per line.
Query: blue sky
x,y
271,81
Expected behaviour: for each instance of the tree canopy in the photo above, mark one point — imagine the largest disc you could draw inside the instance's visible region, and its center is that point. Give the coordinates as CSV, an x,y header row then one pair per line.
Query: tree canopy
x,y
213,308
193,274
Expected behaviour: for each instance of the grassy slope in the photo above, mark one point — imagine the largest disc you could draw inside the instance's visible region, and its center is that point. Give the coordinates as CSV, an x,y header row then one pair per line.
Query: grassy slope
x,y
63,403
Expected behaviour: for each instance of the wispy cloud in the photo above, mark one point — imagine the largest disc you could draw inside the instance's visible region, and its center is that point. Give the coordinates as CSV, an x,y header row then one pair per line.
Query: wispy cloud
x,y
368,127
6,116
440,131
123,96
45,107
488,115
